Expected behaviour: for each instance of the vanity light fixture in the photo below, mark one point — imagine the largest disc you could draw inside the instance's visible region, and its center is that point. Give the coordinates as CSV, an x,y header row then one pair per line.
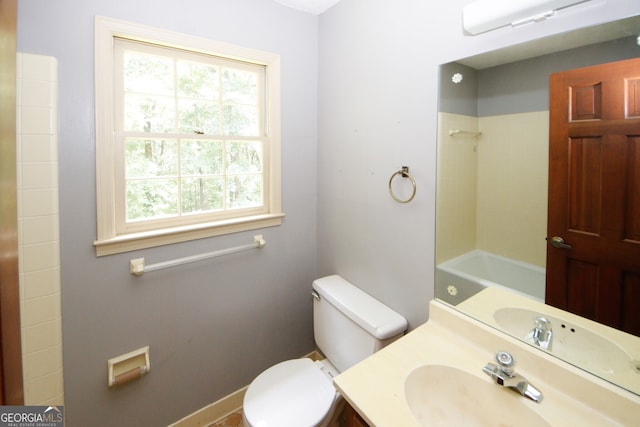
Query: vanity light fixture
x,y
481,16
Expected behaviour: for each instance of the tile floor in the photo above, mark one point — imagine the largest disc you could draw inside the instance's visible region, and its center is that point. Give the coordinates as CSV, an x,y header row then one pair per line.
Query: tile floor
x,y
233,420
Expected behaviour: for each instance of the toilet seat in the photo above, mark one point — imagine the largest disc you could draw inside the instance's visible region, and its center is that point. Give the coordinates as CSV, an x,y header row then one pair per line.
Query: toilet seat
x,y
293,393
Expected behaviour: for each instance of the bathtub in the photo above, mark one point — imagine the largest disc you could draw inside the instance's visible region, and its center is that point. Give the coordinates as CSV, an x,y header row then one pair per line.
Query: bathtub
x,y
463,276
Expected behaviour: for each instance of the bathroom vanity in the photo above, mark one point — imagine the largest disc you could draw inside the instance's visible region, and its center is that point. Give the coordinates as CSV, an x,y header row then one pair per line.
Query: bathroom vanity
x,y
434,376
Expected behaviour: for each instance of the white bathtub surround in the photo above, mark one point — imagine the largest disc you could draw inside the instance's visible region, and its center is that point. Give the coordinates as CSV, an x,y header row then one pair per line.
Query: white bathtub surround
x,y
468,274
38,229
457,187
512,212
477,208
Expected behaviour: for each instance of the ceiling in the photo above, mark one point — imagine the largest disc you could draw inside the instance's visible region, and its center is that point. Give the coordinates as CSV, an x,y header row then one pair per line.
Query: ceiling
x,y
583,37
311,6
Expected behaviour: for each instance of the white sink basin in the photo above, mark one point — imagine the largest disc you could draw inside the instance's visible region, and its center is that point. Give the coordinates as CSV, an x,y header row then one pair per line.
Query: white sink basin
x,y
570,342
441,395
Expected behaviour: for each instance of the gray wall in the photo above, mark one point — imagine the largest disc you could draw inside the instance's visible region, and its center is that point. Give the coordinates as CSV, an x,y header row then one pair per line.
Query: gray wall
x,y
211,326
368,70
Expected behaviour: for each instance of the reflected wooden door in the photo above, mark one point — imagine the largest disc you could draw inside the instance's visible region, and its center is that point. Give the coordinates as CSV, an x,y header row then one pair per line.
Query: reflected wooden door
x,y
593,240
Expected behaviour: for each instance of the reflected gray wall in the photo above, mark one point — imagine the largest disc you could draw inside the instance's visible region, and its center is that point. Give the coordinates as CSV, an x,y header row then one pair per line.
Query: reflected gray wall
x,y
462,97
523,86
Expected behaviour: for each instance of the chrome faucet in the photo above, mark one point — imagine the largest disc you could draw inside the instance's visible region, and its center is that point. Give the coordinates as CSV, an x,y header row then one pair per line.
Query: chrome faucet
x,y
542,334
504,374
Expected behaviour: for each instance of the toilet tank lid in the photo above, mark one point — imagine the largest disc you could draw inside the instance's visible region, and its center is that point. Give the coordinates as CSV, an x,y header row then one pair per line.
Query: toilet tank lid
x,y
369,313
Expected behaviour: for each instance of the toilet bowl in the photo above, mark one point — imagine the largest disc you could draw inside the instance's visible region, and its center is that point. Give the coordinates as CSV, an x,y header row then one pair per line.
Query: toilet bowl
x,y
349,325
293,393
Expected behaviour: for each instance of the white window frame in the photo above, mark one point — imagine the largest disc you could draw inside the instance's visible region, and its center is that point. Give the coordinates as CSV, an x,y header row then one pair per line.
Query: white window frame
x,y
110,237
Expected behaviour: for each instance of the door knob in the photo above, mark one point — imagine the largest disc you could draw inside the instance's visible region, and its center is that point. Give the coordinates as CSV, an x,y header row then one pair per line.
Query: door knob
x,y
558,242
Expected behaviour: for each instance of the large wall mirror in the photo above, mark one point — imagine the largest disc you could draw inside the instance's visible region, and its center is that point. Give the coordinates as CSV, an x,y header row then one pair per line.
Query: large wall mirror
x,y
493,152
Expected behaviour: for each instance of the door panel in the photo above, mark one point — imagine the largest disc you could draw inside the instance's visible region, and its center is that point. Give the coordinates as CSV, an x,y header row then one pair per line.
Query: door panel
x,y
582,287
594,193
585,184
632,218
586,102
633,98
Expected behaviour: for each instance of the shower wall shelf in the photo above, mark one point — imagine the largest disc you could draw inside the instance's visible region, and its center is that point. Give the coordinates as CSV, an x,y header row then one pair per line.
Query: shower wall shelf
x,y
461,132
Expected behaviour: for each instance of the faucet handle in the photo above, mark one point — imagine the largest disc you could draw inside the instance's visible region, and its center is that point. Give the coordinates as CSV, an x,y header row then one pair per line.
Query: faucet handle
x,y
543,323
506,362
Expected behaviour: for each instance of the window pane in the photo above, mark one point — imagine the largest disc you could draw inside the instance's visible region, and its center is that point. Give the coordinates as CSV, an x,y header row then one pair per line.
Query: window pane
x,y
148,74
199,117
241,120
197,81
190,105
244,157
239,86
150,157
244,191
149,114
152,198
201,157
244,180
202,194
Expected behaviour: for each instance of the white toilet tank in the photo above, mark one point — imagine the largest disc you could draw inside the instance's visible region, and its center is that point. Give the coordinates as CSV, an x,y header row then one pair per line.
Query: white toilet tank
x,y
349,324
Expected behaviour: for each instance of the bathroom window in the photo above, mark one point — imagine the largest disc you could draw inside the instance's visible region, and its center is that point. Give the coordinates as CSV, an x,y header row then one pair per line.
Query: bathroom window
x,y
187,137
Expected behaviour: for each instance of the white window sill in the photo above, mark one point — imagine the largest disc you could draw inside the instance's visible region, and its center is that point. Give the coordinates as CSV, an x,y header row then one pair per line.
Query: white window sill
x,y
136,241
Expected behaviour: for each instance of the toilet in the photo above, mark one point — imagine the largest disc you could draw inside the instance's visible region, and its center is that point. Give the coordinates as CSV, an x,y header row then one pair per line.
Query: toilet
x,y
348,326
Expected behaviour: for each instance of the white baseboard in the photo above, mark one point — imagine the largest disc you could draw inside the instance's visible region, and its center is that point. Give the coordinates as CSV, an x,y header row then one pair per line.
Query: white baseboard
x,y
214,411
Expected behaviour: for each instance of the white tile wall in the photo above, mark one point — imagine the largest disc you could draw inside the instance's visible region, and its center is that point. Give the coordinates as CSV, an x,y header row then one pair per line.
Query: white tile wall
x,y
38,229
457,187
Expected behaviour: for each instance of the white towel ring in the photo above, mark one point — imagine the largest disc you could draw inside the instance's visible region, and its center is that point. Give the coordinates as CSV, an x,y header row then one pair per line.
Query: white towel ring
x,y
404,173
